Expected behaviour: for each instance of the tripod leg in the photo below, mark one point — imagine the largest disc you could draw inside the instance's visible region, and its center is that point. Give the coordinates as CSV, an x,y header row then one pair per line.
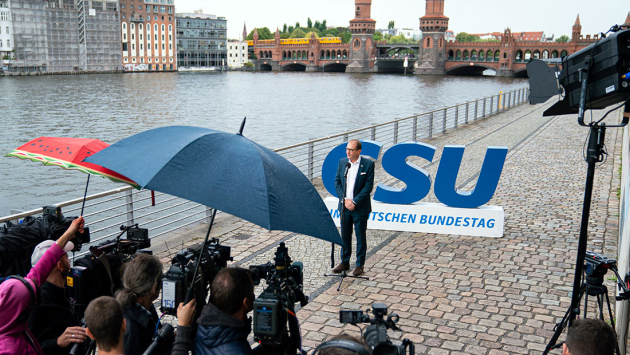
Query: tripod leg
x,y
612,323
585,302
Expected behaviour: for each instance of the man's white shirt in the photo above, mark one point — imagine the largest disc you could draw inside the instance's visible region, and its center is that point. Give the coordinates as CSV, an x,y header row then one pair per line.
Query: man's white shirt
x,y
352,177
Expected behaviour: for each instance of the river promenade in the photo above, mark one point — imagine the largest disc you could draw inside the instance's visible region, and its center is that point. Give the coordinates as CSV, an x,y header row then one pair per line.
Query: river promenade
x,y
457,294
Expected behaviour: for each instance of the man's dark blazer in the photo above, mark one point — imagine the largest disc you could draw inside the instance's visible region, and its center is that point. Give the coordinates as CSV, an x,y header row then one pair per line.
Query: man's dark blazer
x,y
362,187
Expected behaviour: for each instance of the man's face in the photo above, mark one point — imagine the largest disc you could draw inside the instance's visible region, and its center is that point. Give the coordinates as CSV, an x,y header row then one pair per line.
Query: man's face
x,y
64,265
352,152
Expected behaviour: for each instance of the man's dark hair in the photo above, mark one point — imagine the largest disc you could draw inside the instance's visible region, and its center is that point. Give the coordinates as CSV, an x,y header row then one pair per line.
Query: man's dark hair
x,y
591,337
230,287
344,351
357,144
104,318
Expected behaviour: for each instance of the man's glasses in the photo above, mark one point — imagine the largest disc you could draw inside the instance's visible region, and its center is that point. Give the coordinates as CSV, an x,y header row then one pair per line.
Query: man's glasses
x,y
350,149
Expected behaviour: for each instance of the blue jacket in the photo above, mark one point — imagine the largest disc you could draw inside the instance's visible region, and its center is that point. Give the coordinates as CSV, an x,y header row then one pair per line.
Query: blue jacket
x,y
221,334
362,187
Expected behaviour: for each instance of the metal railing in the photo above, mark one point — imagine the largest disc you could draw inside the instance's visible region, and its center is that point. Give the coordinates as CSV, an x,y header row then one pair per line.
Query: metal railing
x,y
162,214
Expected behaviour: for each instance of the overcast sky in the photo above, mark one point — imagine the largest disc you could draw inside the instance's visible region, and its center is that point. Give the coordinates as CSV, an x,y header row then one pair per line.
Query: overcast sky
x,y
472,16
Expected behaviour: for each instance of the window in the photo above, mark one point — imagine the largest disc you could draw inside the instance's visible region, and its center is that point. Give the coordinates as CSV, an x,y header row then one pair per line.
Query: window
x,y
162,28
170,38
170,47
124,36
0,43
155,8
141,46
133,47
155,27
148,8
163,47
7,30
156,36
122,6
133,37
141,37
162,37
162,9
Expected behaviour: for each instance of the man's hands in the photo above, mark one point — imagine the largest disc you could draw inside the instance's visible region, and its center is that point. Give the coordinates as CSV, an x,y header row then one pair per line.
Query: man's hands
x,y
186,313
349,204
76,226
72,334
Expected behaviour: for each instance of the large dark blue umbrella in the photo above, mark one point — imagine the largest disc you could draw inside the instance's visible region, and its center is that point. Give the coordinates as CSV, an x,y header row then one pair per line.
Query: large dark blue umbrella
x,y
225,171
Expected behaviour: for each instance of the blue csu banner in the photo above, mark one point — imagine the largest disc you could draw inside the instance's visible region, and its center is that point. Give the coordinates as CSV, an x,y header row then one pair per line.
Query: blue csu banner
x,y
461,212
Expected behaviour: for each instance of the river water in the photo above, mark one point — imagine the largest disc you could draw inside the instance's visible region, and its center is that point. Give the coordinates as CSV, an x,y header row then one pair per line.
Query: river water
x,y
282,108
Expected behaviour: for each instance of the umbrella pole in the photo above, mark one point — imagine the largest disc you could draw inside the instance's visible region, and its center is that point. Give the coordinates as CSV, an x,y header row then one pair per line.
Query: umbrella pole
x,y
190,293
85,194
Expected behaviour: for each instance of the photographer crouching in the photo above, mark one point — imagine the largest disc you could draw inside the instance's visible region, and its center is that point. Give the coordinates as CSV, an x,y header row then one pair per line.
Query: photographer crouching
x,y
142,282
223,324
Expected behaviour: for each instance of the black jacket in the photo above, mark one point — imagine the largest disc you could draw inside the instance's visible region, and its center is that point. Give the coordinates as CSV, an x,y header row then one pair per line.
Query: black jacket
x,y
141,327
221,334
51,318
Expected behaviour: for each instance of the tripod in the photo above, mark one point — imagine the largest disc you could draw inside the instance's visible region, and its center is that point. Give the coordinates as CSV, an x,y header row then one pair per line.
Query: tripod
x,y
343,273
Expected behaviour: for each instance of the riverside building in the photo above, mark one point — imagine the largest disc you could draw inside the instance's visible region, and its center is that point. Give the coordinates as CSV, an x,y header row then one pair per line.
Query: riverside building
x,y
6,34
237,54
201,41
148,35
65,35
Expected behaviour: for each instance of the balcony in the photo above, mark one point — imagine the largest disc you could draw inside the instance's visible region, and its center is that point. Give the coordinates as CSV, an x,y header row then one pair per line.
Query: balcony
x,y
136,18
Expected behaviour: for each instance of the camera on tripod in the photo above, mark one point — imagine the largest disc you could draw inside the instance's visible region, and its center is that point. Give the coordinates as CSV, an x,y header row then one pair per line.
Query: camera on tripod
x,y
375,334
276,304
98,274
596,266
179,276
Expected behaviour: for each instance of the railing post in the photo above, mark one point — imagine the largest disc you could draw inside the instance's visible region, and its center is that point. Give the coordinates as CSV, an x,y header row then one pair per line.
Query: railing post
x,y
444,121
345,137
499,97
129,204
431,125
483,113
373,133
396,132
467,108
311,161
208,215
456,116
491,105
476,110
414,135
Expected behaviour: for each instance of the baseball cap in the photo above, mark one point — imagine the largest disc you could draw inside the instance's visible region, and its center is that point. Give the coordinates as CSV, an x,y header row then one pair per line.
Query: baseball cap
x,y
41,248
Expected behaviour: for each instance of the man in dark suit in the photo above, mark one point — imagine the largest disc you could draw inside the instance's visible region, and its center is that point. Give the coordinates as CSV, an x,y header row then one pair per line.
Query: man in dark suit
x,y
356,204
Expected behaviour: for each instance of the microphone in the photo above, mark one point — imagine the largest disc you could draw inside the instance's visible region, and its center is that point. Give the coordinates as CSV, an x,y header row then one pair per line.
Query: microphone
x,y
165,332
347,168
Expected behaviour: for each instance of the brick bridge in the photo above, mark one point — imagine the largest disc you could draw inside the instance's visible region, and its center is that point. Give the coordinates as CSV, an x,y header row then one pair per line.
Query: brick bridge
x,y
432,55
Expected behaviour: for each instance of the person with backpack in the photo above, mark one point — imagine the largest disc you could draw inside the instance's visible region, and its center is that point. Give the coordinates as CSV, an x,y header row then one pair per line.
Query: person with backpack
x,y
19,296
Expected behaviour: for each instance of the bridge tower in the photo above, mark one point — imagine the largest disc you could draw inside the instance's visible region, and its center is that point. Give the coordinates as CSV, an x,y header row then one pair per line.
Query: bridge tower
x,y
577,30
362,46
432,51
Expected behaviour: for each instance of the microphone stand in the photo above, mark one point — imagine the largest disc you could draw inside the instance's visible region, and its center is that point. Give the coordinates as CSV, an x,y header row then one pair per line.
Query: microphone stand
x,y
343,273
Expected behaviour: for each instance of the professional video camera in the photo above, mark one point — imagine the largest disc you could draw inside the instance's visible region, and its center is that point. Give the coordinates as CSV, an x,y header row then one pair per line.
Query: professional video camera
x,y
179,276
276,304
99,273
375,334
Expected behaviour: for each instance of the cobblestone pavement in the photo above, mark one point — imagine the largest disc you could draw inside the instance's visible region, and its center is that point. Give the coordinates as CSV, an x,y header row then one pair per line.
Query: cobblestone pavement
x,y
457,294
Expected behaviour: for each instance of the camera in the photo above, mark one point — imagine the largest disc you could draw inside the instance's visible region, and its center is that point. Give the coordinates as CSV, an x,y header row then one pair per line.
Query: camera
x,y
179,276
275,306
375,334
99,273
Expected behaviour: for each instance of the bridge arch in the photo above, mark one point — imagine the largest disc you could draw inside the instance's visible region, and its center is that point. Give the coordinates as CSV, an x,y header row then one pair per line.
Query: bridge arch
x,y
294,67
497,55
521,73
465,55
536,54
473,55
545,54
563,53
519,56
265,67
467,69
554,54
482,55
451,55
528,55
458,55
334,67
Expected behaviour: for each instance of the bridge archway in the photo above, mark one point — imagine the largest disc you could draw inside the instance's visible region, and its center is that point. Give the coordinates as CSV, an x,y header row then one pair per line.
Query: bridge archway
x,y
554,54
519,56
334,67
536,54
451,55
265,67
294,67
482,55
497,55
563,53
466,69
521,73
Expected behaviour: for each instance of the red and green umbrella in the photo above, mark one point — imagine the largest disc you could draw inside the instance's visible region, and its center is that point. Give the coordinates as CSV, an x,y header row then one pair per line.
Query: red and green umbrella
x,y
68,153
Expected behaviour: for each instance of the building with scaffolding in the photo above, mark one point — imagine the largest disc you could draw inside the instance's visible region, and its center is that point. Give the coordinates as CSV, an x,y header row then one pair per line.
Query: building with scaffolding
x,y
65,36
6,34
201,41
148,35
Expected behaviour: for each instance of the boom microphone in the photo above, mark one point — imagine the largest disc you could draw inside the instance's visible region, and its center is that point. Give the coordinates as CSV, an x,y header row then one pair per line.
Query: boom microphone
x,y
165,332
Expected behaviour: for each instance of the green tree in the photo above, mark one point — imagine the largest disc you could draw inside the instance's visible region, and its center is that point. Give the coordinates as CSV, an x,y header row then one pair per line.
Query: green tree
x,y
391,25
308,34
285,35
263,33
318,25
312,29
400,39
346,37
297,33
290,30
284,28
563,39
465,37
297,25
323,28
377,36
309,23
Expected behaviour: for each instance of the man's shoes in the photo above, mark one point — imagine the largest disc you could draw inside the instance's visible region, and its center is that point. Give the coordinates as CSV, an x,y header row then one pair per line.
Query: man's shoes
x,y
341,267
358,271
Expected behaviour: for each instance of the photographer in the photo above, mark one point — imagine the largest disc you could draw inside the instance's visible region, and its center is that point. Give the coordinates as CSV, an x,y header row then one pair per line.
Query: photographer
x,y
142,282
106,325
18,299
53,323
590,337
223,324
343,344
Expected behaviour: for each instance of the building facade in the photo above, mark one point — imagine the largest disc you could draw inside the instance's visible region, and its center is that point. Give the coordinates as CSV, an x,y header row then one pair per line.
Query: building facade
x,y
362,46
147,29
65,35
201,41
6,33
237,54
432,55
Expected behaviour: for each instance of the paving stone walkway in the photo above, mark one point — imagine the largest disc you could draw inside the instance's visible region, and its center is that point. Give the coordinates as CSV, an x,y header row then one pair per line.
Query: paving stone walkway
x,y
457,294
